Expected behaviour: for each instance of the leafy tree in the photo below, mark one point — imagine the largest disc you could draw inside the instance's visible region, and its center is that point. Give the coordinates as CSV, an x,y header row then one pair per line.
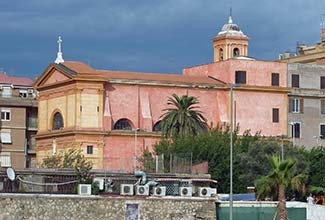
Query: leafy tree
x,y
211,146
281,176
317,167
253,163
182,117
73,158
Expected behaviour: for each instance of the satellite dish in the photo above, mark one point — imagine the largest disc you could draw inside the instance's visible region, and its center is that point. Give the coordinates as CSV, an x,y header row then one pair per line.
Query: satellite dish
x,y
11,174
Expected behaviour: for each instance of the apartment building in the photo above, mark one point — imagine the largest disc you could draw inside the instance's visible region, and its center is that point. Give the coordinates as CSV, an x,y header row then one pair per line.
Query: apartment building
x,y
18,124
306,117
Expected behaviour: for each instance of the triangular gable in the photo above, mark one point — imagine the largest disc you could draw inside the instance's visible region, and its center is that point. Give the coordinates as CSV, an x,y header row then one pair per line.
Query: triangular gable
x,y
52,75
55,76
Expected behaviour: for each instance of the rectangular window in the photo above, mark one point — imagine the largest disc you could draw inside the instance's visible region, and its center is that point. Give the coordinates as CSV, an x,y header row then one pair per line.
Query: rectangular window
x,y
240,77
275,115
322,106
23,93
295,130
322,131
90,149
296,105
5,160
275,79
5,136
295,80
6,92
5,115
322,82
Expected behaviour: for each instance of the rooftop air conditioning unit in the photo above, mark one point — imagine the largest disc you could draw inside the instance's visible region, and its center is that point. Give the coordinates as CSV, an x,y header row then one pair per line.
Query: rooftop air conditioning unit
x,y
185,191
84,189
142,190
127,189
207,191
159,191
100,182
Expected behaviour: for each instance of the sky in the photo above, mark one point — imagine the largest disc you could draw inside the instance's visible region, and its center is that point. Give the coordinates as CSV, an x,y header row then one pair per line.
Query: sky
x,y
160,36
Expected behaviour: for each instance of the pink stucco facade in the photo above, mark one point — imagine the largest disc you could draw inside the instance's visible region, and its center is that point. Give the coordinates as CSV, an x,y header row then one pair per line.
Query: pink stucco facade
x,y
255,100
92,101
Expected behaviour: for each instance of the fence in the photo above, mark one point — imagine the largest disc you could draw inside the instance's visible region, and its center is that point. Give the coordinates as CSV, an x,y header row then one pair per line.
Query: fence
x,y
173,163
39,183
62,181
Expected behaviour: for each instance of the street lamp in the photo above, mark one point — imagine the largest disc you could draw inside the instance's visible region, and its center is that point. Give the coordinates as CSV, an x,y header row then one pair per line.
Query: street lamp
x,y
231,201
282,136
135,147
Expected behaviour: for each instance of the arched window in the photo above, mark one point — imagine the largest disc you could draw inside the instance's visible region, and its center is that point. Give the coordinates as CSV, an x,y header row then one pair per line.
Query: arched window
x,y
123,124
157,127
221,54
236,52
57,121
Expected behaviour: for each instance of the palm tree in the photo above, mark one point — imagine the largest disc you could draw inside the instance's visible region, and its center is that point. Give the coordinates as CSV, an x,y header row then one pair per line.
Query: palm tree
x,y
275,183
182,117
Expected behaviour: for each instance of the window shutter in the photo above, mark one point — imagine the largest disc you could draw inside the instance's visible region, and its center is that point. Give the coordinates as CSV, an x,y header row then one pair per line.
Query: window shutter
x,y
322,106
275,115
297,130
322,131
290,104
295,80
322,82
301,106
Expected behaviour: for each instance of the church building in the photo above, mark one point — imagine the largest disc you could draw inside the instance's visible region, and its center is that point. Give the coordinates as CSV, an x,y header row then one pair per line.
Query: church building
x,y
115,115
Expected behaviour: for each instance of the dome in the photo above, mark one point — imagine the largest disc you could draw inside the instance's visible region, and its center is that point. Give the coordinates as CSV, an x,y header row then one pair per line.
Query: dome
x,y
231,28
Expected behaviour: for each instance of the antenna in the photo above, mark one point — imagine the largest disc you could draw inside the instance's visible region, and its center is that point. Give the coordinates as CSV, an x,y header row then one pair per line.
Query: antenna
x,y
230,14
322,19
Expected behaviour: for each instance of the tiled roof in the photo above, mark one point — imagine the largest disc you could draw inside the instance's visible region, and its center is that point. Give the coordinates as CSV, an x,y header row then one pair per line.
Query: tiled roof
x,y
18,81
83,70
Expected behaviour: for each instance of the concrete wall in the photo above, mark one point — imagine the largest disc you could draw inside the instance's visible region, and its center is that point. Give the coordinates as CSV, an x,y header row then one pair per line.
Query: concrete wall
x,y
48,207
311,117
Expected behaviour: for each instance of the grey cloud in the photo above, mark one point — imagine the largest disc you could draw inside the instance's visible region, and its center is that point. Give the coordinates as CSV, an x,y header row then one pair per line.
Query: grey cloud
x,y
146,35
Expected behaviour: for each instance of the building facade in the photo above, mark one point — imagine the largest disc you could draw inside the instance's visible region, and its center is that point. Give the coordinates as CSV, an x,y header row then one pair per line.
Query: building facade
x,y
18,125
306,104
114,116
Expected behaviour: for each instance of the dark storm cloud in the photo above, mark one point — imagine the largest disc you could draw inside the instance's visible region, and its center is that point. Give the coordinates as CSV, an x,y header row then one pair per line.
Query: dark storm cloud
x,y
146,35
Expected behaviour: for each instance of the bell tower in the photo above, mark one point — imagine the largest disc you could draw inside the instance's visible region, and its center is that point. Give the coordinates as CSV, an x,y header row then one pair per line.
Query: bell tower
x,y
230,42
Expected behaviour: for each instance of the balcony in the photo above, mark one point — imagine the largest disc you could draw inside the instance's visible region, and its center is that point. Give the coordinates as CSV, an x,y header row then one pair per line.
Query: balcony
x,y
31,146
31,123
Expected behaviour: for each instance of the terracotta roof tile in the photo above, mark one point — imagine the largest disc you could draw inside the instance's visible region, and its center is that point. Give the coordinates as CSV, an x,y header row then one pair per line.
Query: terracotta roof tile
x,y
78,67
18,81
86,71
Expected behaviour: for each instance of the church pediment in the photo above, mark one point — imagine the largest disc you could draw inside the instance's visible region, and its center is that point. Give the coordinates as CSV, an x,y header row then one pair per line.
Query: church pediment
x,y
53,75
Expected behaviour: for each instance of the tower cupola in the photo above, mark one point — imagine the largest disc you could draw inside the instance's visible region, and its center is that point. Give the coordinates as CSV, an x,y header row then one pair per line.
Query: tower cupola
x,y
230,42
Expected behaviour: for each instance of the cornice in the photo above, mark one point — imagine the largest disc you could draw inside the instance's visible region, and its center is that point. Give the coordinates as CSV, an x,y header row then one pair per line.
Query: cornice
x,y
262,89
157,83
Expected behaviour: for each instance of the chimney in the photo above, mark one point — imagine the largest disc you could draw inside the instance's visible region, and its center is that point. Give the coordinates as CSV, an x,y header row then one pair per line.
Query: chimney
x,y
323,35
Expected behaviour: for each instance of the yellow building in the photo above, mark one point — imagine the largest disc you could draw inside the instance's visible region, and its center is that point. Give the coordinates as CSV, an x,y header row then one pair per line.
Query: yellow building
x,y
306,54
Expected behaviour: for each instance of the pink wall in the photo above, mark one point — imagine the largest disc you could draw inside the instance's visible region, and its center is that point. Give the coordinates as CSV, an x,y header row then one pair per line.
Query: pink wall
x,y
258,72
143,105
119,150
254,111
253,106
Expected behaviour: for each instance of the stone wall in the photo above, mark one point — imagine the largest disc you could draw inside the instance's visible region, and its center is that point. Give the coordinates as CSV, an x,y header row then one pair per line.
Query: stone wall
x,y
32,206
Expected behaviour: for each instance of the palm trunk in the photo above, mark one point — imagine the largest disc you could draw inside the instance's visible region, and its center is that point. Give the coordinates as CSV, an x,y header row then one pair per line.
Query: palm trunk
x,y
282,203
